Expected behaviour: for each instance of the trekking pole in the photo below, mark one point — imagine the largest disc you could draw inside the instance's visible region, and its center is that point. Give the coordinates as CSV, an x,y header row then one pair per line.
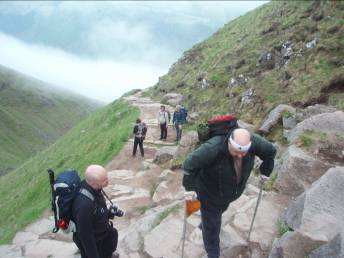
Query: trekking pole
x,y
255,210
52,181
184,231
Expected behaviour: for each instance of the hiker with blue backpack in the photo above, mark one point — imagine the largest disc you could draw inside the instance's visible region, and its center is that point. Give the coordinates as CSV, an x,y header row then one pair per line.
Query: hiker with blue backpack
x,y
179,118
218,170
80,207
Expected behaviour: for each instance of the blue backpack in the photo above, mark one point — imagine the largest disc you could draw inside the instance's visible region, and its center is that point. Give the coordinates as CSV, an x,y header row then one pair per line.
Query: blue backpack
x,y
184,113
64,189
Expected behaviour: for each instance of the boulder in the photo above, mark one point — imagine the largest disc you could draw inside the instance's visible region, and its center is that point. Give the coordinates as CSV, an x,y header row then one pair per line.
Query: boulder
x,y
164,239
165,154
172,99
23,237
231,244
10,251
246,97
319,230
165,174
193,116
162,192
237,81
40,227
275,117
138,197
246,126
325,198
264,230
289,122
313,110
187,143
120,174
266,60
326,122
50,248
298,171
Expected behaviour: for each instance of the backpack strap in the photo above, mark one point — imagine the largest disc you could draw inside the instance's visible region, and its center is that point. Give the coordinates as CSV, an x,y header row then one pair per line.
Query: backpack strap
x,y
87,193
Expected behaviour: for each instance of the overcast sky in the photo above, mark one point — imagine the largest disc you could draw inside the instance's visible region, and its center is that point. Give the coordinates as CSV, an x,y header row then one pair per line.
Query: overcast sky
x,y
104,49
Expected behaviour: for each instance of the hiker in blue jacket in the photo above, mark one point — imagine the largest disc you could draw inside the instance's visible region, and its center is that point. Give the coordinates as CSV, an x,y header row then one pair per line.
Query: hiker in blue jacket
x,y
179,118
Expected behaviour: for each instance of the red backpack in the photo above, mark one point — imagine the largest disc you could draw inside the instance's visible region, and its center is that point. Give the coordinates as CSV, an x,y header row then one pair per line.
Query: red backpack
x,y
217,125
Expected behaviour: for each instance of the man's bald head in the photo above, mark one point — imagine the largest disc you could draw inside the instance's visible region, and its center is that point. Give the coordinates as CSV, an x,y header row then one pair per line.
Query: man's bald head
x,y
241,136
96,176
239,142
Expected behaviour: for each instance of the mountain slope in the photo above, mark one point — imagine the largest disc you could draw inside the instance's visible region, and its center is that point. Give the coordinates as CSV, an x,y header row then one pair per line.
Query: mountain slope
x,y
24,193
34,114
283,52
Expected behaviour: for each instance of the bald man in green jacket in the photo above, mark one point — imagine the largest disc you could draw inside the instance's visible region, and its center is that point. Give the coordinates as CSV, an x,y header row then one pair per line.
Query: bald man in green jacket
x,y
219,170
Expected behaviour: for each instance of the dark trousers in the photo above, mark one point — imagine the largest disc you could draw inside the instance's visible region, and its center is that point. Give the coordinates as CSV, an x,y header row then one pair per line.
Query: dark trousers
x,y
105,247
178,131
211,216
138,141
163,131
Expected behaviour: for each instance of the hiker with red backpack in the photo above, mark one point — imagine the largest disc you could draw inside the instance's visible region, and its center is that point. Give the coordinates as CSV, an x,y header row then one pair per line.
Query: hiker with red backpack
x,y
218,170
139,131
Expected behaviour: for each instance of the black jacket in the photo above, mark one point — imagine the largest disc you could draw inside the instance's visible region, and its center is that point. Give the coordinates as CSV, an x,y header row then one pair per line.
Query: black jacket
x,y
91,219
216,179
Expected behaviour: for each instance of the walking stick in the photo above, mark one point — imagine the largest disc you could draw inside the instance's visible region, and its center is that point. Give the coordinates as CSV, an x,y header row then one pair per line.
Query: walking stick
x,y
184,231
255,210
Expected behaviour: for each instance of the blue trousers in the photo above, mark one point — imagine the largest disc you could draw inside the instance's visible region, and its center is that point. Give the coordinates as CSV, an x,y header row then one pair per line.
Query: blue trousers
x,y
211,216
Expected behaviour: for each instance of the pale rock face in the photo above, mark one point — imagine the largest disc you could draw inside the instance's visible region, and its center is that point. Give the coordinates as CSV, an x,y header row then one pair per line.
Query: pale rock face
x,y
275,117
298,171
326,122
162,192
322,205
167,234
173,98
46,247
165,154
10,251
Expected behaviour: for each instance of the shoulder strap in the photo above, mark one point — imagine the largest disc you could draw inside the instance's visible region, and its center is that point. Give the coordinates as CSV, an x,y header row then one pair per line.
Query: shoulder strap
x,y
87,194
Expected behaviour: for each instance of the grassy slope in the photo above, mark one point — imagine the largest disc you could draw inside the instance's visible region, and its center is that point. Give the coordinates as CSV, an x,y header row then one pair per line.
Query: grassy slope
x,y
33,115
24,192
242,39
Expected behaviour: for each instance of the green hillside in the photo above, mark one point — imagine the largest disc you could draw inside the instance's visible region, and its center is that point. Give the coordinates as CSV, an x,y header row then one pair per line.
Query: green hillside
x,y
264,58
33,115
24,193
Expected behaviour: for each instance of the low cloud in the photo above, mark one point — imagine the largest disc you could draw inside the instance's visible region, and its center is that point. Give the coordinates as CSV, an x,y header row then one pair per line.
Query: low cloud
x,y
104,80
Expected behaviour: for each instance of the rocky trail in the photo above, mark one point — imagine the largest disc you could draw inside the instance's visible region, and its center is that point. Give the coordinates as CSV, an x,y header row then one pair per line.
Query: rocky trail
x,y
151,194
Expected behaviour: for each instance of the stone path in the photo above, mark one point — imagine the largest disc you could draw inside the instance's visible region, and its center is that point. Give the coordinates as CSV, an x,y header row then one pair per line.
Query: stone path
x,y
152,196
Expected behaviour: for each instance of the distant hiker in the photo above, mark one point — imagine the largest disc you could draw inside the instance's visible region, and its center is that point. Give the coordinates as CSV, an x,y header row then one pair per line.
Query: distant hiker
x,y
140,130
163,120
95,235
218,171
179,118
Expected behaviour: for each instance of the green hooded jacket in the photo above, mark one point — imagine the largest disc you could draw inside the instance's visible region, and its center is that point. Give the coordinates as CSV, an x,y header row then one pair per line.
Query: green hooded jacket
x,y
212,169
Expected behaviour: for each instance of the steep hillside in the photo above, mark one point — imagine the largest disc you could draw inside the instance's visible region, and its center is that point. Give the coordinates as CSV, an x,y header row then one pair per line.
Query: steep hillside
x,y
34,114
24,193
283,52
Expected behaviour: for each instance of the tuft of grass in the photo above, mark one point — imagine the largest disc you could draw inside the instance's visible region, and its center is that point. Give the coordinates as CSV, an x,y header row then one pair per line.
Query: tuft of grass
x,y
142,209
25,192
282,227
154,186
268,186
309,137
163,215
